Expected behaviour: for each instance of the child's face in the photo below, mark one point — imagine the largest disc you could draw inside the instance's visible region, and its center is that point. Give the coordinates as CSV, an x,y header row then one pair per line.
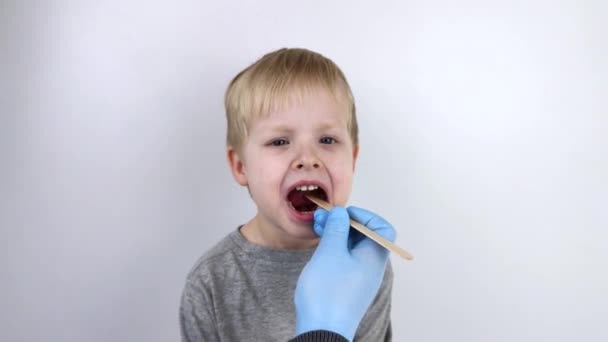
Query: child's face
x,y
306,144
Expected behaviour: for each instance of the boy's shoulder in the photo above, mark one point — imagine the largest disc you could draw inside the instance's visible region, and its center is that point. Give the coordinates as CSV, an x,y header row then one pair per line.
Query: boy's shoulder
x,y
215,260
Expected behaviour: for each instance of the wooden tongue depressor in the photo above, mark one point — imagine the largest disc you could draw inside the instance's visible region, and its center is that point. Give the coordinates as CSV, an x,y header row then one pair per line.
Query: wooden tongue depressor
x,y
367,232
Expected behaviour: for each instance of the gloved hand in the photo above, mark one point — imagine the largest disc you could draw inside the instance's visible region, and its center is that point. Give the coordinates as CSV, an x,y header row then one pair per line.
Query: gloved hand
x,y
344,274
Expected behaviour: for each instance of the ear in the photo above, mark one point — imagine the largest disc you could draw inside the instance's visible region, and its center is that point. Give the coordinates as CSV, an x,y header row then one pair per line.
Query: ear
x,y
355,155
237,166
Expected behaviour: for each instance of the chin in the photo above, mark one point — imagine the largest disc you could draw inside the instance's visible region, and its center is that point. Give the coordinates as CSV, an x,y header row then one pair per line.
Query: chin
x,y
304,233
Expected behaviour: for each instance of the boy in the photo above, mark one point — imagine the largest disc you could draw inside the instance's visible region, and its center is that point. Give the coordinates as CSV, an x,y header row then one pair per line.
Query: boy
x,y
292,132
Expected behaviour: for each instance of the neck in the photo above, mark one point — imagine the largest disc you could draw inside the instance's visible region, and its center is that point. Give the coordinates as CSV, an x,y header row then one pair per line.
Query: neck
x,y
255,231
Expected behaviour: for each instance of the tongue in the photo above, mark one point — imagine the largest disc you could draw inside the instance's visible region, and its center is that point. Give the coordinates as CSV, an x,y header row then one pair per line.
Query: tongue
x,y
300,202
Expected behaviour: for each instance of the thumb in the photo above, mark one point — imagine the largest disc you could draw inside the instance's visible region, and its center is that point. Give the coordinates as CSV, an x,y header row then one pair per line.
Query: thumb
x,y
335,233
320,218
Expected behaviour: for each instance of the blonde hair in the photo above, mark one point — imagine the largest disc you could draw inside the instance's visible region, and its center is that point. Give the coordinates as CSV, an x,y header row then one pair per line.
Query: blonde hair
x,y
277,79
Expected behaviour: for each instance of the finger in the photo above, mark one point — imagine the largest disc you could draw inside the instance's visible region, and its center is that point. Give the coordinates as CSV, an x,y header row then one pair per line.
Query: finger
x,y
354,237
370,251
373,222
335,233
320,218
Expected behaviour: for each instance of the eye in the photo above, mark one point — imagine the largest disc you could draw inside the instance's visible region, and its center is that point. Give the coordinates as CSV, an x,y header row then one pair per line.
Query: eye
x,y
327,140
279,142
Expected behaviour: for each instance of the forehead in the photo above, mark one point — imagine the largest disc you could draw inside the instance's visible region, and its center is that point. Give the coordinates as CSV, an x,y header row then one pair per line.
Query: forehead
x,y
319,109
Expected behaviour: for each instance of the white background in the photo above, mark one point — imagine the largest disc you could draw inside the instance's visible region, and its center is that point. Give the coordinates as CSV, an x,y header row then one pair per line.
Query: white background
x,y
484,140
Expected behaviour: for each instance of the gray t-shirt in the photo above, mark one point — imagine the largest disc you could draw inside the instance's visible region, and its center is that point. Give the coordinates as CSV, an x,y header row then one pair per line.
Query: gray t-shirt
x,y
239,291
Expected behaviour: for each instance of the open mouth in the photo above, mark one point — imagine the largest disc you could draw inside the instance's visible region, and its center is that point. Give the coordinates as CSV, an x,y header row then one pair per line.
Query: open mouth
x,y
300,203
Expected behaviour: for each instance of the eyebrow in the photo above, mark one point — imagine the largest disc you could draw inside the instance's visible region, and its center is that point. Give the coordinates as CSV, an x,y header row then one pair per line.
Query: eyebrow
x,y
327,125
288,129
280,128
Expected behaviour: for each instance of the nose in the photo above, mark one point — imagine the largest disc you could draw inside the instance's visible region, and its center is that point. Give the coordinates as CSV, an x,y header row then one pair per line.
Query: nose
x,y
304,164
306,159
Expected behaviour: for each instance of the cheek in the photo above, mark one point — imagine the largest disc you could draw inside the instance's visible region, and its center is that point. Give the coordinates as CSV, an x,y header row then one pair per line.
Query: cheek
x,y
341,165
342,177
344,180
267,173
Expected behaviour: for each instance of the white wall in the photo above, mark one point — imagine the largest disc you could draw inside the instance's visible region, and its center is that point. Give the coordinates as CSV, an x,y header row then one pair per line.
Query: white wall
x,y
484,140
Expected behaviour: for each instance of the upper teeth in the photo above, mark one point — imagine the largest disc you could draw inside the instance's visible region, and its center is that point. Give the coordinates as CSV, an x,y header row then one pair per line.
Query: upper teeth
x,y
307,187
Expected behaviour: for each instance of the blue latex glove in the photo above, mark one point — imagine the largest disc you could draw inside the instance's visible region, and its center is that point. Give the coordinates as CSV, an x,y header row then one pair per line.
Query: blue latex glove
x,y
344,274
